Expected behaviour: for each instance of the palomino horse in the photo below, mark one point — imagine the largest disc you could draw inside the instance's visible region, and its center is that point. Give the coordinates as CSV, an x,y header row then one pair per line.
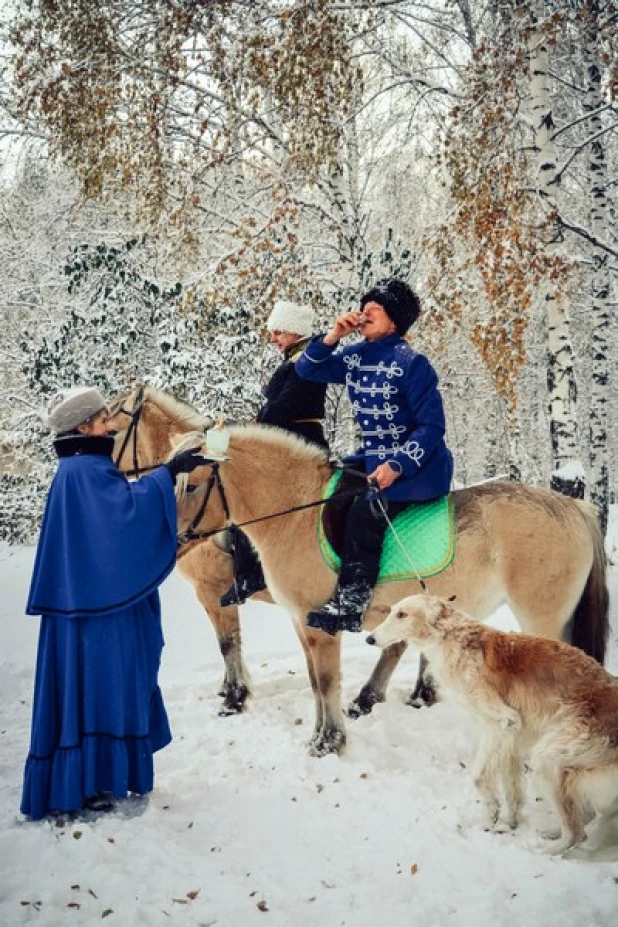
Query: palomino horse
x,y
147,427
536,551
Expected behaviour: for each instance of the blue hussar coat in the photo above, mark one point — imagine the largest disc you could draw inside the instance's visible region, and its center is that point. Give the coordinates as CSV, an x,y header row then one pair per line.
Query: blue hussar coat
x,y
397,406
98,714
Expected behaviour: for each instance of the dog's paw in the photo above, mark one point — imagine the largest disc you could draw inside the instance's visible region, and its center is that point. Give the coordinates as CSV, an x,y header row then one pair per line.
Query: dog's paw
x,y
557,847
504,827
491,818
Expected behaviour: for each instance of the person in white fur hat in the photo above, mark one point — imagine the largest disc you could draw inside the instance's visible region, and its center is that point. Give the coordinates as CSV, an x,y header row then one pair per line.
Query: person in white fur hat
x,y
292,404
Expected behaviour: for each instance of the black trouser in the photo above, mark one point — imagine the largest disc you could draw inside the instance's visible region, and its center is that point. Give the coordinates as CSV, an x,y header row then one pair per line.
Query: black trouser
x,y
365,528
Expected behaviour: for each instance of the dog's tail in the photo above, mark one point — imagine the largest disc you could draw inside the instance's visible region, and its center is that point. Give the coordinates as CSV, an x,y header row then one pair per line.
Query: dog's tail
x,y
589,625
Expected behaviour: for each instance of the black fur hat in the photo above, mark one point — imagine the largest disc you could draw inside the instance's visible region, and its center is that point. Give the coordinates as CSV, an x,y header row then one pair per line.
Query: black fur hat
x,y
398,300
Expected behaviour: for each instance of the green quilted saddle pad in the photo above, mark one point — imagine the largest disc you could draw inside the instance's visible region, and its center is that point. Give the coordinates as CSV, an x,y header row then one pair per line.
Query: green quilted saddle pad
x,y
426,530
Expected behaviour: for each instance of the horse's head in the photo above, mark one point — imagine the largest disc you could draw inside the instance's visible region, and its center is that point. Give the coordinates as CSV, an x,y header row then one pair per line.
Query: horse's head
x,y
149,423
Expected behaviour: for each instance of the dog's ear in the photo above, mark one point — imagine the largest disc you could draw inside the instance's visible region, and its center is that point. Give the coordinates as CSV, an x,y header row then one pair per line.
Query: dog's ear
x,y
438,611
433,610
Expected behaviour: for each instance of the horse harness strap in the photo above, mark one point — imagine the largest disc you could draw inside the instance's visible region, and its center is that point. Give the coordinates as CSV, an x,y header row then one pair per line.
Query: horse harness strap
x,y
191,534
132,433
214,479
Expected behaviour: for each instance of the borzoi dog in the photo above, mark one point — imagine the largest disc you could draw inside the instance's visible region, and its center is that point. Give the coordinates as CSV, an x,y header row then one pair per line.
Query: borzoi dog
x,y
524,693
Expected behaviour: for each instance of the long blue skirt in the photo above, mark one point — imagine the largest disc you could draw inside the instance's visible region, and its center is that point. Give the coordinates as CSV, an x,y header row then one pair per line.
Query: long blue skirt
x,y
98,714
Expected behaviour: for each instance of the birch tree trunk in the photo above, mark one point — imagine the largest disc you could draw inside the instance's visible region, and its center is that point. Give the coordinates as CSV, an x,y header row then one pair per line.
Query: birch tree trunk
x,y
562,391
600,278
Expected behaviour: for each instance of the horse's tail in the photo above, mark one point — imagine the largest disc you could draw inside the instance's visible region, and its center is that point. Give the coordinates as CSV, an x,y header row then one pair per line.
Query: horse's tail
x,y
590,621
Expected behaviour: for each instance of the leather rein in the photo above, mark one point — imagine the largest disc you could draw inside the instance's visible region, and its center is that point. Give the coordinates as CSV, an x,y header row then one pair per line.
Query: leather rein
x,y
214,481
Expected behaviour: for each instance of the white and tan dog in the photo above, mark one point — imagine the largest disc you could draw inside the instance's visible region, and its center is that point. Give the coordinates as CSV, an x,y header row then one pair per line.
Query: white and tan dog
x,y
524,693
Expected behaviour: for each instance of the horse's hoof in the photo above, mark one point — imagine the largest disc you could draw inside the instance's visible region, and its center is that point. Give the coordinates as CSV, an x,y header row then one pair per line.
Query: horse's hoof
x,y
323,745
363,703
235,698
423,697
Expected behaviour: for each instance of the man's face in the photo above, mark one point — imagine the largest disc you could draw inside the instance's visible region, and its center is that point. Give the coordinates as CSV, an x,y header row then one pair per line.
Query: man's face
x,y
283,340
377,323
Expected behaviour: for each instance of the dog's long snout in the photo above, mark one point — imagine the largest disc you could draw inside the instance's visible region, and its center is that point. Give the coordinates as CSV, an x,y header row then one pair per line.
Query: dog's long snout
x,y
371,639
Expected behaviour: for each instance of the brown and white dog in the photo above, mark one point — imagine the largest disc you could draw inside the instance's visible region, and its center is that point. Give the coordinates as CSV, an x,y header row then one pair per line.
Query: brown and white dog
x,y
525,694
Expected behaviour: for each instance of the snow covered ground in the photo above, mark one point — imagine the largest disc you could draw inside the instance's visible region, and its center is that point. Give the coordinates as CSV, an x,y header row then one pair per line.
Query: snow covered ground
x,y
245,828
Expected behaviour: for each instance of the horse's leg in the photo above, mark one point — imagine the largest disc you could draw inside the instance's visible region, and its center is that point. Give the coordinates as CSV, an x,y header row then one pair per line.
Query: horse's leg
x,y
323,654
319,713
210,571
235,685
425,691
374,690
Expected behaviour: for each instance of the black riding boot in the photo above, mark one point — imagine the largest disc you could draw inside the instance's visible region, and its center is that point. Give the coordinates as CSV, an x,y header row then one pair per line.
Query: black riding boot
x,y
344,610
248,575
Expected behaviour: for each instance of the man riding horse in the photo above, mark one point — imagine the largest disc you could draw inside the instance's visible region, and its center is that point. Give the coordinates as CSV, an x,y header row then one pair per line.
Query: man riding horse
x,y
398,409
290,404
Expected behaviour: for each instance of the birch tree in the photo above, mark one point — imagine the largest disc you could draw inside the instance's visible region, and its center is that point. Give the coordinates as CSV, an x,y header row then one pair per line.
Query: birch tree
x,y
600,284
511,157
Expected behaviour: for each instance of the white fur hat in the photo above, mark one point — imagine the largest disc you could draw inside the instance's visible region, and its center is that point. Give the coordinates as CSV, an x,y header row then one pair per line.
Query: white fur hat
x,y
290,317
70,407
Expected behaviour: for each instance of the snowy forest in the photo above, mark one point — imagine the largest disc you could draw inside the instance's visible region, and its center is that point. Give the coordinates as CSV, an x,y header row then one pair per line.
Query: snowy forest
x,y
170,168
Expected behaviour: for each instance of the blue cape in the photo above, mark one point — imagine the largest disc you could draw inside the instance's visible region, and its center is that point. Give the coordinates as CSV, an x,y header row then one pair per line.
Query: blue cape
x,y
105,543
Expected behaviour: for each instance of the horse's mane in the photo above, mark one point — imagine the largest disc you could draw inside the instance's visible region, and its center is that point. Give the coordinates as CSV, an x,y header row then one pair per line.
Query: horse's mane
x,y
181,412
286,440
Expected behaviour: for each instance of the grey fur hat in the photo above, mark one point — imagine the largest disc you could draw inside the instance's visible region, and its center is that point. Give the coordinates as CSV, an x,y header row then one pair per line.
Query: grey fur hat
x,y
290,317
71,407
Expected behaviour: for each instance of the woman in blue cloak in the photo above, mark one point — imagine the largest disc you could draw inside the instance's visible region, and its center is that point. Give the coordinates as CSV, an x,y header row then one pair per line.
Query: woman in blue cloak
x,y
105,547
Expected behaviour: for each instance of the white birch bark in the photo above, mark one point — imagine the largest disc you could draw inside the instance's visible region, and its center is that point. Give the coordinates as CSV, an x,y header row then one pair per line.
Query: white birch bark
x,y
562,393
600,277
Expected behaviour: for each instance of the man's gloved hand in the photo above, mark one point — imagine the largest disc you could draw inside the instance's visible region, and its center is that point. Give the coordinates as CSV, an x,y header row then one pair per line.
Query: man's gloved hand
x,y
185,462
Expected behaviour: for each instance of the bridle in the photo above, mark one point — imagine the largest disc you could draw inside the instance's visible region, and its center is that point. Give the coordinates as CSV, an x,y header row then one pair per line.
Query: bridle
x,y
213,482
135,416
